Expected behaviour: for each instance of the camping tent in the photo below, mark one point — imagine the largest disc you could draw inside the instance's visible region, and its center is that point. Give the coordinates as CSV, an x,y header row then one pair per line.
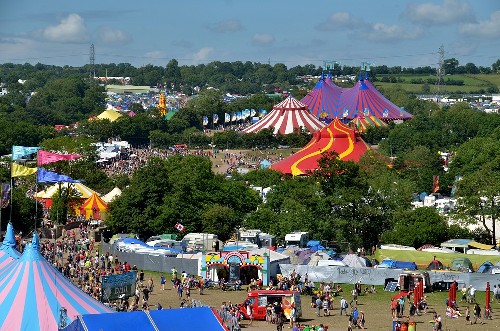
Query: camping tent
x,y
336,137
286,117
201,318
33,293
94,207
322,100
8,252
461,264
110,115
352,260
113,194
435,265
486,267
81,191
264,164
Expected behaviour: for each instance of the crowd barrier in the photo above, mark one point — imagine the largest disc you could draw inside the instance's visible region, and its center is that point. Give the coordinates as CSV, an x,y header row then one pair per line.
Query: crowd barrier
x,y
375,276
154,263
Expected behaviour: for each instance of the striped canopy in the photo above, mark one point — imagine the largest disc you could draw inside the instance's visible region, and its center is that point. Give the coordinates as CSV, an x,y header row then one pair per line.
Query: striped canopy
x,y
323,99
94,207
46,195
8,252
336,137
33,292
362,123
286,117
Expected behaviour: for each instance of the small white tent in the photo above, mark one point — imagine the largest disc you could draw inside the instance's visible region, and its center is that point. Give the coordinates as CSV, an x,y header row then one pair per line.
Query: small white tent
x,y
112,195
352,260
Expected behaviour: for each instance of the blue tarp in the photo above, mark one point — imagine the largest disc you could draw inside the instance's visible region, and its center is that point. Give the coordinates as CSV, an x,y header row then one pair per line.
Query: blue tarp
x,y
200,319
398,264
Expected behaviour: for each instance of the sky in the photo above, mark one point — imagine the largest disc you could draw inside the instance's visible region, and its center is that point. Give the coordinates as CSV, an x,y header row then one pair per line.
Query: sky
x,y
405,33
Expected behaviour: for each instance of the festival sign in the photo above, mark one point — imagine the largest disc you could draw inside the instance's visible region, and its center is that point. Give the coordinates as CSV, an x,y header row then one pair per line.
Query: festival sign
x,y
118,286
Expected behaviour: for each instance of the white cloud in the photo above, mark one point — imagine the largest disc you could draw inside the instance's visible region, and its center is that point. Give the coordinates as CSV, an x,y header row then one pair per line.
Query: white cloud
x,y
226,26
263,39
384,32
450,11
202,54
340,21
113,36
70,30
486,29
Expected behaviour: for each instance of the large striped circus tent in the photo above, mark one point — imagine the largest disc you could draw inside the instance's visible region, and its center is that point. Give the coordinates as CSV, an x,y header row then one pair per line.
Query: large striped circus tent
x,y
33,294
81,191
336,137
94,207
287,116
364,99
361,123
323,99
8,252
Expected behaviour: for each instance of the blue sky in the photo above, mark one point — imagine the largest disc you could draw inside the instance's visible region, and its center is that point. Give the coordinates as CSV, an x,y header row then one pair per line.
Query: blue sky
x,y
294,32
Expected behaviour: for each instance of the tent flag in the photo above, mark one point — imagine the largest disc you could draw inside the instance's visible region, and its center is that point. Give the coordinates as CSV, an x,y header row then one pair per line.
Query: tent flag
x,y
48,157
45,176
20,151
18,170
227,118
179,227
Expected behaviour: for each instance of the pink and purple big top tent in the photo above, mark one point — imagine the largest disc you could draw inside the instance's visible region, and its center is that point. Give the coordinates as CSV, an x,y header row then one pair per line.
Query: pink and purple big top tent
x,y
32,293
361,99
323,99
8,252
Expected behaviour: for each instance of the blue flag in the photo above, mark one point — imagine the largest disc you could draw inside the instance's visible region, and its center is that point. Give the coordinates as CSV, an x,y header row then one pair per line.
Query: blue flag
x,y
45,176
20,151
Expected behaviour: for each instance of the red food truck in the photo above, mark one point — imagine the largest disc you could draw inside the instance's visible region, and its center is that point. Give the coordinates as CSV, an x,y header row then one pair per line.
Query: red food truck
x,y
260,299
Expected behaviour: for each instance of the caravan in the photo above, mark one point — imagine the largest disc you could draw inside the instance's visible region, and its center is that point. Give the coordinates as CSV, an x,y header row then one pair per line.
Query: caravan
x,y
195,242
297,238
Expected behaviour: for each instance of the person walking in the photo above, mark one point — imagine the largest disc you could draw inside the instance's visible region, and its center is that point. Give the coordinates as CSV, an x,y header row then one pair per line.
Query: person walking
x,y
162,282
319,304
354,294
250,314
343,306
477,313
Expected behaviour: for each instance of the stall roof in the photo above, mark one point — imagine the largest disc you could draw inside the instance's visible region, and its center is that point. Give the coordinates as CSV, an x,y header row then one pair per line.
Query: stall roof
x,y
475,244
464,243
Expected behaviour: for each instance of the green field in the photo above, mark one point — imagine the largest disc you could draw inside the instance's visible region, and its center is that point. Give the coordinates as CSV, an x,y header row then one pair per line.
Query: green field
x,y
472,83
422,259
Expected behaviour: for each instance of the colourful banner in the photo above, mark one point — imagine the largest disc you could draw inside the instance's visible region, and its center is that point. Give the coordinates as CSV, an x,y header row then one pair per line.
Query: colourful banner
x,y
49,157
20,151
216,118
205,120
45,176
18,170
5,195
227,118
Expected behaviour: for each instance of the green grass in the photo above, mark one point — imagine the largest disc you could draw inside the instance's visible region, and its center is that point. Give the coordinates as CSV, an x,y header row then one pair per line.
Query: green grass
x,y
422,259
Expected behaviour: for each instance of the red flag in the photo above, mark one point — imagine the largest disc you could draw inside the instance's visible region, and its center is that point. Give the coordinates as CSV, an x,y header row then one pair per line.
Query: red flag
x,y
48,157
435,184
179,227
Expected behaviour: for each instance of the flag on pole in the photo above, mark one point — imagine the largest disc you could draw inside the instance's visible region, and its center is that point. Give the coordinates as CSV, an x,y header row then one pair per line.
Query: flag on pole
x,y
205,120
179,227
18,170
435,184
45,176
227,118
5,195
20,151
216,118
49,157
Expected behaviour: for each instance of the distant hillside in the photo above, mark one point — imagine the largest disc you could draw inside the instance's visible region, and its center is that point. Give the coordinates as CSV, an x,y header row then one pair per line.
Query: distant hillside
x,y
461,84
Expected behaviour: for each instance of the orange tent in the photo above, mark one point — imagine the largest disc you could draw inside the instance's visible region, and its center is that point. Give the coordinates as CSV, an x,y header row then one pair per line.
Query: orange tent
x,y
94,207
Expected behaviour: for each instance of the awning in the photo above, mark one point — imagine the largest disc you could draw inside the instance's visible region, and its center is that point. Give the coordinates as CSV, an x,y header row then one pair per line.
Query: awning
x,y
475,244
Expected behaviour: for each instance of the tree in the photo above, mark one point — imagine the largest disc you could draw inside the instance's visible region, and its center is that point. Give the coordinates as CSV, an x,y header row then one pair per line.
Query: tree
x,y
417,227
